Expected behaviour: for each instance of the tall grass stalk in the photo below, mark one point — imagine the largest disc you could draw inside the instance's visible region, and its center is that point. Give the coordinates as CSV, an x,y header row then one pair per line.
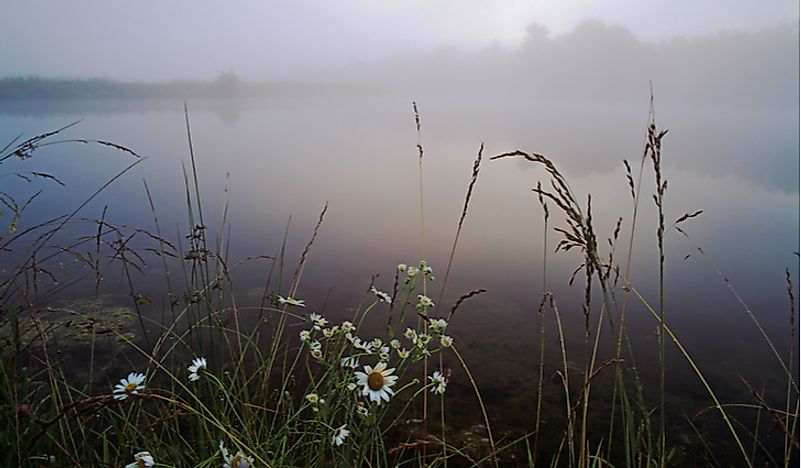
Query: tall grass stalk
x,y
635,190
655,148
698,373
473,179
789,436
480,403
541,313
423,256
746,308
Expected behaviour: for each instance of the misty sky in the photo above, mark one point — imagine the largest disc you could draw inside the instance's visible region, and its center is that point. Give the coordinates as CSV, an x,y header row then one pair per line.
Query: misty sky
x,y
287,39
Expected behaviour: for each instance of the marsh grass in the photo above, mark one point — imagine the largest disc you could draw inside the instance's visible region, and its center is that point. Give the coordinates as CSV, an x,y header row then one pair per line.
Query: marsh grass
x,y
277,385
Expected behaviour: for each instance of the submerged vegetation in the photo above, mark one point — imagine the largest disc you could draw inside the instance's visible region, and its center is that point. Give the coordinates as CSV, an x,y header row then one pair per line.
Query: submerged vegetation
x,y
199,377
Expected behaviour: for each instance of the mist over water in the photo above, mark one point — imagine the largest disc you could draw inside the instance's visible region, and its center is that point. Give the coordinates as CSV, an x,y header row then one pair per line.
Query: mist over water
x,y
359,156
730,100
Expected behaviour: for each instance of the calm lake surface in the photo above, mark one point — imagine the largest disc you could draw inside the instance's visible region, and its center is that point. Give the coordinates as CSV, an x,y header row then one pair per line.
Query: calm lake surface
x,y
272,159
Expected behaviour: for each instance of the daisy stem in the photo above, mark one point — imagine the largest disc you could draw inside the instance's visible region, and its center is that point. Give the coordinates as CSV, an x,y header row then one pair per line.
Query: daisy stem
x,y
442,418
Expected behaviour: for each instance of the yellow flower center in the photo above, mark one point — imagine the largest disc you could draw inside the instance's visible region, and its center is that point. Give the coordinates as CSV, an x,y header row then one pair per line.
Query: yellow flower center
x,y
375,381
130,387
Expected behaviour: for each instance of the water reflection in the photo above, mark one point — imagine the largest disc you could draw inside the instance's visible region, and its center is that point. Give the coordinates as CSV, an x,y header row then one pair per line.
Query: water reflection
x,y
267,160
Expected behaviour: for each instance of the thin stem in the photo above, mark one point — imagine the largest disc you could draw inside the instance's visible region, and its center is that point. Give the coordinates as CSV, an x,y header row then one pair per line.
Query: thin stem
x,y
698,373
480,403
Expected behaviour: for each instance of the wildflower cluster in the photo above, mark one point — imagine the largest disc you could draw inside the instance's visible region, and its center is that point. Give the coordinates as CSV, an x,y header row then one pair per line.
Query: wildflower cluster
x,y
361,372
415,272
436,331
338,345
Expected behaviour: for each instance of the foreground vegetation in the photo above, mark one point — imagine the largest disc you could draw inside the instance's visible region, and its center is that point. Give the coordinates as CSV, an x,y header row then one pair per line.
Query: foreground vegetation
x,y
208,381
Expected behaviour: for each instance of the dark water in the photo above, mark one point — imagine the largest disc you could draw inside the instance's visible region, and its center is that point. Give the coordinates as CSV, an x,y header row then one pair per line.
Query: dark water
x,y
269,160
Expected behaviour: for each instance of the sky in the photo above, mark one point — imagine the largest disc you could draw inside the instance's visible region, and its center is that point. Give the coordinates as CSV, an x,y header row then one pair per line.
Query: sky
x,y
287,39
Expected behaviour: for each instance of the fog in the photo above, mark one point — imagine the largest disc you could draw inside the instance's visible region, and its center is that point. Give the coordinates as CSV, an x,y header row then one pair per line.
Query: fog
x,y
569,79
731,96
286,39
297,105
725,74
572,81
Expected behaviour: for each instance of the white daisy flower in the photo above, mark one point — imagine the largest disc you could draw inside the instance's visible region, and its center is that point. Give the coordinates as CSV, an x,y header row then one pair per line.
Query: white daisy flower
x,y
305,335
329,332
291,301
316,353
347,326
395,343
197,364
425,268
351,387
240,460
376,343
130,385
350,361
401,267
424,301
142,460
412,271
315,345
438,382
423,339
446,341
383,353
339,436
382,296
376,382
349,336
437,325
363,345
403,353
410,334
314,399
362,409
318,320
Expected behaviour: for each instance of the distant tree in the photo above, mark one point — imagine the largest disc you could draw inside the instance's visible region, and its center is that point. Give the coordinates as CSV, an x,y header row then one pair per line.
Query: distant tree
x,y
227,83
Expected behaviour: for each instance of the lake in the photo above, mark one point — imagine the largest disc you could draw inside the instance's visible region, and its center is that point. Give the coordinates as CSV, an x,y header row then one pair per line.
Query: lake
x,y
271,159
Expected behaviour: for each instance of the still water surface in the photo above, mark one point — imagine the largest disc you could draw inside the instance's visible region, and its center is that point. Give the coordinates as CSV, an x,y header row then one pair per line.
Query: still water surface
x,y
272,159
